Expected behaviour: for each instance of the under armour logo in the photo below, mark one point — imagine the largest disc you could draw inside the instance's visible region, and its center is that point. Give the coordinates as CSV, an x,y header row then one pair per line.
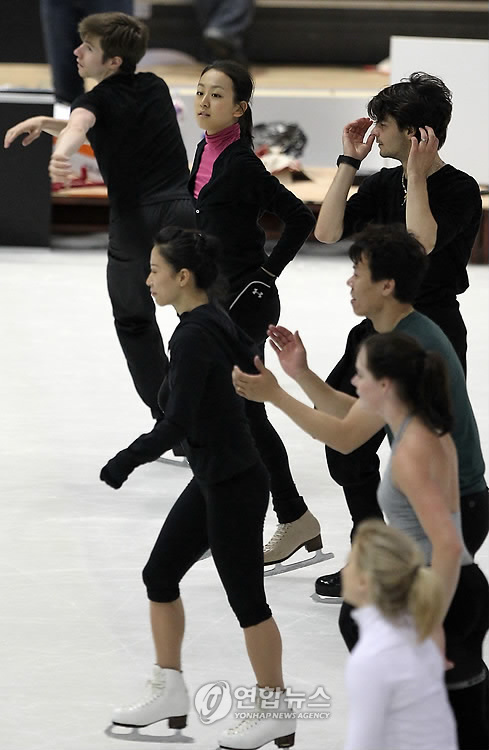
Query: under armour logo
x,y
257,291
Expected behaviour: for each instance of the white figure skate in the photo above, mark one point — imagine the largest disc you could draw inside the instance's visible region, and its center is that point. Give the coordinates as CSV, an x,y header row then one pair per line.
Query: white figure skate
x,y
276,724
166,698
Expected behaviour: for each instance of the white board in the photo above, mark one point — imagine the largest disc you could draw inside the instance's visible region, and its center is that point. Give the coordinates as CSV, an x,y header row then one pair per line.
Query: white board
x,y
463,66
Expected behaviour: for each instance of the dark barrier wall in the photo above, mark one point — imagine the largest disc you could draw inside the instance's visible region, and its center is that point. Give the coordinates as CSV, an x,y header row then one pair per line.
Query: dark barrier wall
x,y
20,30
25,208
342,32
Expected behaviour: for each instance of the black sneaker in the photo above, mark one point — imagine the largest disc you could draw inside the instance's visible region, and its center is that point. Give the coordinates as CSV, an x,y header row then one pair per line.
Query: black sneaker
x,y
329,585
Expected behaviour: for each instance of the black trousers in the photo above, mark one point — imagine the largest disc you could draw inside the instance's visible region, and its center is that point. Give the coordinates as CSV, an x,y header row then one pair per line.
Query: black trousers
x,y
131,237
474,511
465,626
287,503
228,517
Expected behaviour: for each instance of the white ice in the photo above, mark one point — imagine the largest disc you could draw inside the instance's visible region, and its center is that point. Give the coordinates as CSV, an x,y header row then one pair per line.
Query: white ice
x,y
74,634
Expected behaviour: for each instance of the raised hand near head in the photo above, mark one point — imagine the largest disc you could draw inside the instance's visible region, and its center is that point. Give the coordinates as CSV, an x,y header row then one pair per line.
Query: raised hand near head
x,y
353,138
422,154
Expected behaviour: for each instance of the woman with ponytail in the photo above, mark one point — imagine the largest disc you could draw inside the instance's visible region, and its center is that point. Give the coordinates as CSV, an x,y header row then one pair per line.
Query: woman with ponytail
x,y
395,674
231,190
419,494
224,503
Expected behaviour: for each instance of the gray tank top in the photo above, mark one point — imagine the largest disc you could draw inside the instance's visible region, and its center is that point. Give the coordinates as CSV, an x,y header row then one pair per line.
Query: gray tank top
x,y
400,513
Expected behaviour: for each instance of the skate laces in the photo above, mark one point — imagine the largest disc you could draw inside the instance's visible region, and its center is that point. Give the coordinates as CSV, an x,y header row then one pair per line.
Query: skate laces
x,y
245,724
154,689
279,534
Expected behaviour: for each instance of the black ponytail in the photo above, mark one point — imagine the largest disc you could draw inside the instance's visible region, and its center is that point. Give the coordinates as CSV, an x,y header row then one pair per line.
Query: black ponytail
x,y
243,87
421,377
184,248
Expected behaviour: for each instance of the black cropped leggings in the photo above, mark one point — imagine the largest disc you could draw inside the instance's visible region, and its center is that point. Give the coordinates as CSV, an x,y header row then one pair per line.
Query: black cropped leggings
x,y
287,503
228,517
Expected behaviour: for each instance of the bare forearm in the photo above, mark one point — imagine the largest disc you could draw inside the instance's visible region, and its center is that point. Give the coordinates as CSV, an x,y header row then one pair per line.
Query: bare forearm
x,y
329,430
70,139
326,399
329,227
52,126
419,219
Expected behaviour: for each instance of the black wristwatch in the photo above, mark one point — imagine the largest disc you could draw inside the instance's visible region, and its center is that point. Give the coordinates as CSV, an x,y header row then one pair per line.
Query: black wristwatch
x,y
342,159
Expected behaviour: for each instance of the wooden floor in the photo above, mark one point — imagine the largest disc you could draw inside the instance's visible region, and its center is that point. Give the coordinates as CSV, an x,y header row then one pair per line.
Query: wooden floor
x,y
266,76
286,76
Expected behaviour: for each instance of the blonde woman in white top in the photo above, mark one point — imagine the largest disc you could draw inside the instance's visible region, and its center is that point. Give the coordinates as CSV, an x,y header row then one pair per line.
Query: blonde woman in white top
x,y
395,673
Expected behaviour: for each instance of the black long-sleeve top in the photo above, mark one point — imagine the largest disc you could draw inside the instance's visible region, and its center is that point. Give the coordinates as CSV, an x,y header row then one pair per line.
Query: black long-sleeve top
x,y
230,205
201,407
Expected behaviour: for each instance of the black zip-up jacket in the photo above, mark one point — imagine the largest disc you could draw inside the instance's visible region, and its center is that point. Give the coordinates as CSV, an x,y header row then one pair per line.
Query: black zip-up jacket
x,y
201,407
229,207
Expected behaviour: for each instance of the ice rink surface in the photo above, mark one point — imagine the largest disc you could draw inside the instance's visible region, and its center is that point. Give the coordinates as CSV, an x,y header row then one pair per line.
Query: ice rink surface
x,y
74,632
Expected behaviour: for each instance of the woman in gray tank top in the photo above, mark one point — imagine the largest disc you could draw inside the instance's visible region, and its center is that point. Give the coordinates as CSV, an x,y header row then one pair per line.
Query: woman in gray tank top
x,y
407,386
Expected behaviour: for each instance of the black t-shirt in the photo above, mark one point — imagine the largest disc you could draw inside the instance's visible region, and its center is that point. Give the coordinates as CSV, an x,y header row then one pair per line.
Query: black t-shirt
x,y
455,203
136,139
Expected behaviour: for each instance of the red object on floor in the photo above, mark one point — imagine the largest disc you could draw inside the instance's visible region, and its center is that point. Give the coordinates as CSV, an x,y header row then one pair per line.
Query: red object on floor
x,y
78,182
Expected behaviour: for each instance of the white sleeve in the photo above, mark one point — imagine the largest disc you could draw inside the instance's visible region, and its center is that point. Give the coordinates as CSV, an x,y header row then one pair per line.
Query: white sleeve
x,y
368,692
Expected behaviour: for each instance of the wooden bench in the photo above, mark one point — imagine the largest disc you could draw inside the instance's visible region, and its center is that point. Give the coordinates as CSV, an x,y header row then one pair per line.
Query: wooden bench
x,y
87,209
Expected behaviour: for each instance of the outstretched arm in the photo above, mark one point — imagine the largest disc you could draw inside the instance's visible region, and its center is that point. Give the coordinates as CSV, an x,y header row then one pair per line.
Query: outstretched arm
x,y
329,227
144,449
32,128
69,141
343,435
293,358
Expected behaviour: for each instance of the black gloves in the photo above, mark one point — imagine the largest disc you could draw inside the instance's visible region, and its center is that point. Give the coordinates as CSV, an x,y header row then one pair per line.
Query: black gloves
x,y
116,471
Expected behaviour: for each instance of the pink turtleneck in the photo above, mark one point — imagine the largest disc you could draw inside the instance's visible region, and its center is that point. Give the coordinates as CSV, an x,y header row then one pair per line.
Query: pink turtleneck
x,y
215,145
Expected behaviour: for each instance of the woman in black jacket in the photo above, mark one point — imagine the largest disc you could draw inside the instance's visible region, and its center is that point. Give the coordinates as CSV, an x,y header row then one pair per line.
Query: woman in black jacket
x,y
225,503
231,190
